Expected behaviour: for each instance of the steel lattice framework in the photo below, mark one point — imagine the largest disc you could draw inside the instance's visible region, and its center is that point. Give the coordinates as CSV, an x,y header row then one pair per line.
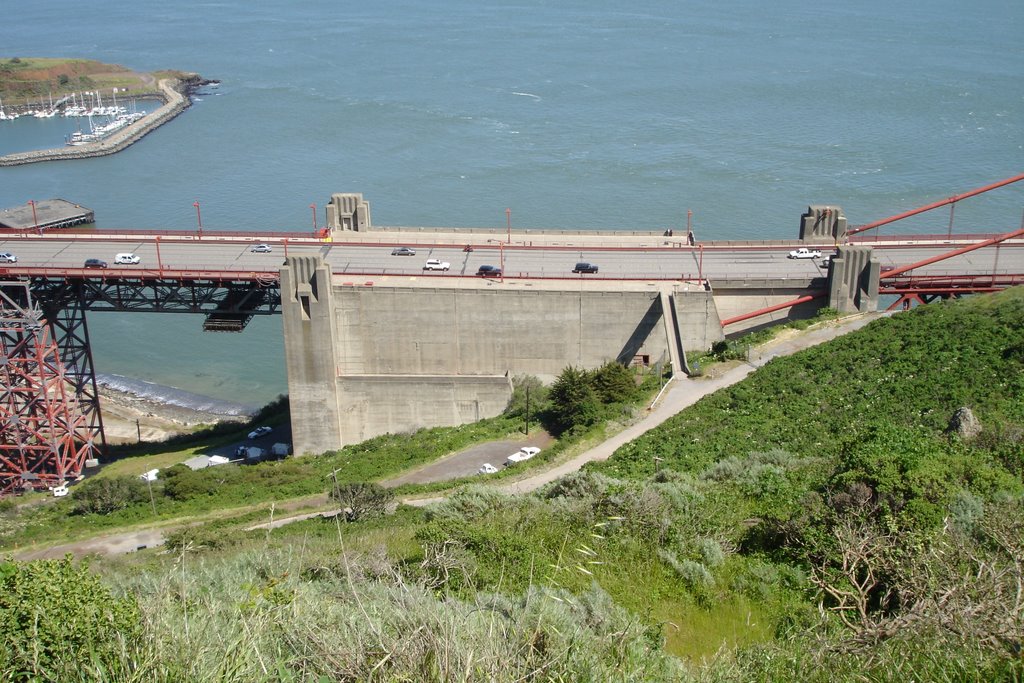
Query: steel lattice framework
x,y
45,438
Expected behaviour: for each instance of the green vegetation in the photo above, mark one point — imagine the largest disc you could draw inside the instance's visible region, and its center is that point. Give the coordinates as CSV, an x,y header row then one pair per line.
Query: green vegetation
x,y
31,80
822,521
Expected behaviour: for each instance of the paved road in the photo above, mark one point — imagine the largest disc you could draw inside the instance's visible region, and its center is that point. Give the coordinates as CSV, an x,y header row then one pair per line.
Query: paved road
x,y
215,253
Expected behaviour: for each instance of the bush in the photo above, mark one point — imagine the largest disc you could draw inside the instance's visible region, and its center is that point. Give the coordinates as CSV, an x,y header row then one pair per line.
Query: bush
x,y
60,623
103,496
361,499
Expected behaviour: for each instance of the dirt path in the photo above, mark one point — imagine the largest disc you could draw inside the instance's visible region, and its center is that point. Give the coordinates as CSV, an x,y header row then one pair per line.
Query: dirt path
x,y
681,394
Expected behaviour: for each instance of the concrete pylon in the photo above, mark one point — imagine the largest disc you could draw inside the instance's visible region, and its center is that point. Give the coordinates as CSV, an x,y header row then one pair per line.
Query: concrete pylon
x,y
822,225
309,338
853,280
348,212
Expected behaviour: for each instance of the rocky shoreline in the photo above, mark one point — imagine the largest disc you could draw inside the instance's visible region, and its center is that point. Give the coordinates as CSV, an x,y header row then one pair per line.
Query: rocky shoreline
x,y
127,418
177,98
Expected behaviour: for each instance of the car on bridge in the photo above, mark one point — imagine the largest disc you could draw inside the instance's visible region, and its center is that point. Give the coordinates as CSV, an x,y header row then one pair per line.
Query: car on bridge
x,y
403,251
804,252
436,264
489,271
126,259
8,257
94,263
261,249
584,267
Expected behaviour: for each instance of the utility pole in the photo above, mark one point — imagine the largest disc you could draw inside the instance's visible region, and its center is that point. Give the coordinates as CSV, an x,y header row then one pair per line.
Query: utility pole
x,y
527,409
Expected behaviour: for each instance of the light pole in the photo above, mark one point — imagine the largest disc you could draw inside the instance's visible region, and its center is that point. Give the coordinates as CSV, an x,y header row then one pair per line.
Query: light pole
x,y
508,222
313,206
35,221
199,218
159,263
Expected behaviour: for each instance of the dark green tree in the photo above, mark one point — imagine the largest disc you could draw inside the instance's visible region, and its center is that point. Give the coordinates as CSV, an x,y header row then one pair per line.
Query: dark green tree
x,y
614,383
573,401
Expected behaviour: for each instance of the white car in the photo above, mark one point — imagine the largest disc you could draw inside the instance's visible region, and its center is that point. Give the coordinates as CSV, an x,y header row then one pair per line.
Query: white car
x,y
127,259
8,257
804,252
260,431
436,264
487,468
523,454
261,249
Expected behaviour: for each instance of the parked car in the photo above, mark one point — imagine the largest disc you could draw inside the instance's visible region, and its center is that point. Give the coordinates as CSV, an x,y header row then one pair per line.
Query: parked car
x,y
95,263
437,264
804,252
524,453
261,249
487,468
403,251
489,271
583,267
8,257
126,258
260,431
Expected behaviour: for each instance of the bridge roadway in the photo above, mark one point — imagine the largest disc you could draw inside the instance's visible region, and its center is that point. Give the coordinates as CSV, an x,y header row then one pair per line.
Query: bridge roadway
x,y
179,255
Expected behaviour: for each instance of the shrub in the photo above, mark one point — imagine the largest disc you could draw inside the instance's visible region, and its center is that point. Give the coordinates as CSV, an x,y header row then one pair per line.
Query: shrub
x,y
105,495
60,623
361,499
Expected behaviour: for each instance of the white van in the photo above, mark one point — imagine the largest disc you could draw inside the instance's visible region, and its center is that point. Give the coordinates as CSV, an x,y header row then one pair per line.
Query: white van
x,y
127,258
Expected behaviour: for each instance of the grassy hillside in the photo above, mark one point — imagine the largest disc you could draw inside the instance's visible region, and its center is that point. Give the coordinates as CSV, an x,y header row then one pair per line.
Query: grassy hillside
x,y
31,80
819,522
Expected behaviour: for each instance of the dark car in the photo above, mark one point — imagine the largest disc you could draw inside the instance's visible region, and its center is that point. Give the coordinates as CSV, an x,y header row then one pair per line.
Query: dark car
x,y
489,271
585,268
403,251
95,263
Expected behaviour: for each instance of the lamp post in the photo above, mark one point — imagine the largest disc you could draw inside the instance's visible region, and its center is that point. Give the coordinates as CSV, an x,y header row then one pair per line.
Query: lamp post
x,y
508,223
159,263
313,207
199,218
35,220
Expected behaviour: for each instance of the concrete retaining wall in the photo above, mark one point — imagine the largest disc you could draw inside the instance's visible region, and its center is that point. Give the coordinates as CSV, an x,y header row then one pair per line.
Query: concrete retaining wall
x,y
364,361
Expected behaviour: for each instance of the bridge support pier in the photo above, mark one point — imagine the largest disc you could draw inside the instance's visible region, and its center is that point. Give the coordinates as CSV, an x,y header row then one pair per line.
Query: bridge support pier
x,y
309,345
822,225
853,280
348,212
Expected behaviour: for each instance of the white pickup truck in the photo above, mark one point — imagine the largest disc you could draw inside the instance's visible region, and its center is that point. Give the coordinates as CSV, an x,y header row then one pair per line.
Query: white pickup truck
x,y
525,453
804,252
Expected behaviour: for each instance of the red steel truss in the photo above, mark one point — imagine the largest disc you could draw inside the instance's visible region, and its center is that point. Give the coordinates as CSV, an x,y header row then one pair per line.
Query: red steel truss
x,y
45,439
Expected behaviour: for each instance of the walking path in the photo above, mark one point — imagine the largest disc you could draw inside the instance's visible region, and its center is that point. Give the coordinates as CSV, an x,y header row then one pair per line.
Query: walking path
x,y
680,394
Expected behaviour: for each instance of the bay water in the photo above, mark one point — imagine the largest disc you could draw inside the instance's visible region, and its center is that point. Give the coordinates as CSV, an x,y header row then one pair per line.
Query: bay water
x,y
575,115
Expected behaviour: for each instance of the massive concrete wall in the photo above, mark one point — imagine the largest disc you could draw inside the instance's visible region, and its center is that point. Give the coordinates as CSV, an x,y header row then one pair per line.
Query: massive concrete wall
x,y
367,360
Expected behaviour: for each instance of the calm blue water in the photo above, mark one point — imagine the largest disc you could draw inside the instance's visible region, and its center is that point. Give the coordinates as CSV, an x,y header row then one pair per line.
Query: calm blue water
x,y
592,115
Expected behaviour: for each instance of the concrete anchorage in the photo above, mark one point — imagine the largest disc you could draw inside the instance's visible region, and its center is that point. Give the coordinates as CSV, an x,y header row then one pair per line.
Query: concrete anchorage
x,y
368,360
